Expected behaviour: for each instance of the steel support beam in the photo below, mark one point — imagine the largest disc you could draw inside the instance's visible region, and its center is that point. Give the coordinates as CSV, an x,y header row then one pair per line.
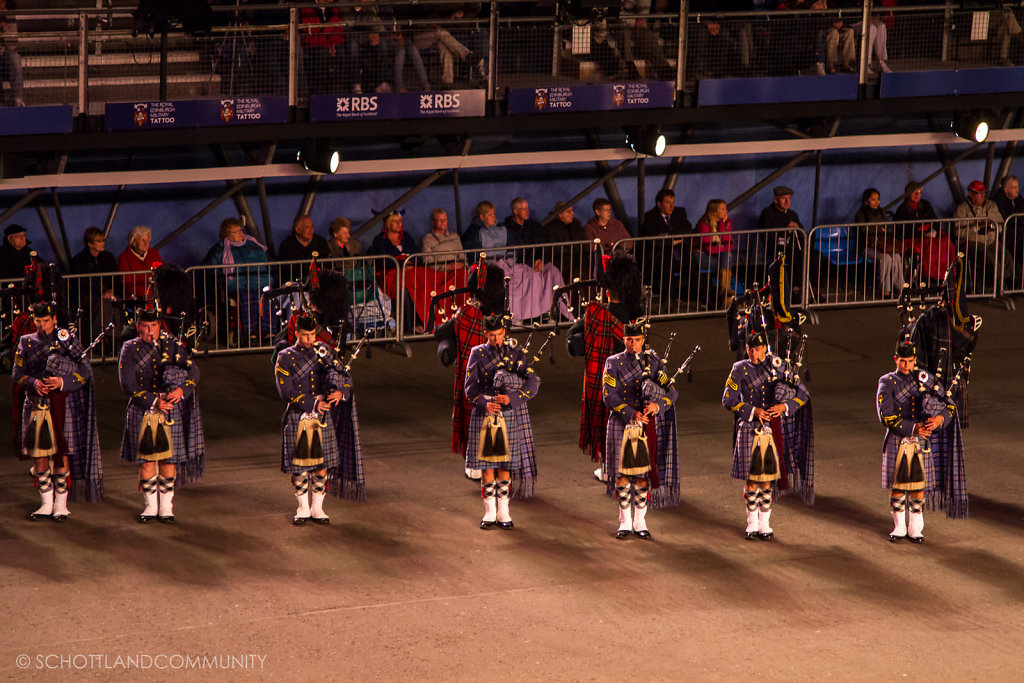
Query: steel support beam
x,y
20,204
792,163
201,214
590,188
610,188
963,155
309,197
51,234
420,186
268,234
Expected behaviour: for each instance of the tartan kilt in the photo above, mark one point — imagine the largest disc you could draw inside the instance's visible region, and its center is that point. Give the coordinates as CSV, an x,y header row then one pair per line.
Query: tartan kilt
x,y
130,438
797,454
668,491
945,473
741,450
289,437
522,463
600,332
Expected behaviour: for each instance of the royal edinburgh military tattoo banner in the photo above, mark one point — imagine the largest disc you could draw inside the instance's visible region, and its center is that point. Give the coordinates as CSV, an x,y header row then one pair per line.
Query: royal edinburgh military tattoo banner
x,y
405,105
195,113
600,97
35,120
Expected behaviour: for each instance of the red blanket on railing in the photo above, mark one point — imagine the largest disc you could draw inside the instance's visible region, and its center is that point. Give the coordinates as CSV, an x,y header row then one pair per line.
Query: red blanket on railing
x,y
421,282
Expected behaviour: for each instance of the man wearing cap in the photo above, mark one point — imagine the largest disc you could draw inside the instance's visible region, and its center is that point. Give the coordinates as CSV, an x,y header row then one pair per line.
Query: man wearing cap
x,y
499,381
772,431
311,384
58,415
566,228
162,429
978,221
15,255
777,220
922,454
640,437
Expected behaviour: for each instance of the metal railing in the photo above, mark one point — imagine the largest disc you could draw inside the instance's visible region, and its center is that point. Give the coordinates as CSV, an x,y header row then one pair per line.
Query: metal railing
x,y
858,264
1013,250
90,57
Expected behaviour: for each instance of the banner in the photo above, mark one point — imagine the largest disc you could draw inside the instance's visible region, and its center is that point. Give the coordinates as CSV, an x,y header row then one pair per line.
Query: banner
x,y
226,111
35,120
402,105
599,97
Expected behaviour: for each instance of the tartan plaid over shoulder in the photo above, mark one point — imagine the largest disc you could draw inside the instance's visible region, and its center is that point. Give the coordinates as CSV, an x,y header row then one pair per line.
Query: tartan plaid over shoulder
x,y
469,332
601,331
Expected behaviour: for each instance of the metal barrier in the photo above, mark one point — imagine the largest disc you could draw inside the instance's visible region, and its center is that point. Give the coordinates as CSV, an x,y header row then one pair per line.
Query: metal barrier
x,y
1013,243
685,272
88,57
857,264
532,271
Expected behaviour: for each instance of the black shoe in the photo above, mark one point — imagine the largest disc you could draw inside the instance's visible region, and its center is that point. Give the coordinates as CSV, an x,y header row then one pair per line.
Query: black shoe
x,y
622,534
506,525
487,525
146,519
916,539
166,519
59,518
299,521
893,538
645,534
766,537
321,520
33,517
753,536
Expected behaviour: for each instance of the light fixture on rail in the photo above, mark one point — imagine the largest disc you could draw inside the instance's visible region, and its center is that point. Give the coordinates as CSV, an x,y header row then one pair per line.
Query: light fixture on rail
x,y
971,126
319,156
645,140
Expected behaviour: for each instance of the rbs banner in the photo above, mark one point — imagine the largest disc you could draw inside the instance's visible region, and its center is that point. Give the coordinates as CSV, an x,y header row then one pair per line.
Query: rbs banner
x,y
405,105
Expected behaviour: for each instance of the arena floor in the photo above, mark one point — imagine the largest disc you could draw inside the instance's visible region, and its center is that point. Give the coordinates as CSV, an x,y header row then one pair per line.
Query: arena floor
x,y
406,587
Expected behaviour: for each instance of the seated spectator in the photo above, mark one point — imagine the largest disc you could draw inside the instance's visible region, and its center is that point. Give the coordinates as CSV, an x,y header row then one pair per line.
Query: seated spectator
x,y
607,53
716,51
15,256
94,295
342,245
137,256
836,48
658,259
716,246
878,53
572,262
242,281
323,41
530,290
301,245
450,49
933,247
441,239
607,230
640,41
377,61
393,241
976,237
527,231
1011,205
778,222
10,59
881,244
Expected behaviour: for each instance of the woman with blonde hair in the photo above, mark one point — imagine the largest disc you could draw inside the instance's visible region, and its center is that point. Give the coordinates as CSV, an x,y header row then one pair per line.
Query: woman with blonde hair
x,y
716,244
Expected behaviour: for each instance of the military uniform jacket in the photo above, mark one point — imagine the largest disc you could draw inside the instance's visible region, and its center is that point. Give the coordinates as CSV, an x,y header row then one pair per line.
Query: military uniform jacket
x,y
80,437
148,371
301,377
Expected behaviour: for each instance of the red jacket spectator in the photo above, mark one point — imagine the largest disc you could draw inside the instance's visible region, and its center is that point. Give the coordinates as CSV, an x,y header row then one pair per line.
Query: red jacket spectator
x,y
709,244
130,260
326,36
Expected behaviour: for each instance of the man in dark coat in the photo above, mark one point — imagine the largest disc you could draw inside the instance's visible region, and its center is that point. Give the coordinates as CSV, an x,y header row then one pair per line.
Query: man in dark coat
x,y
660,258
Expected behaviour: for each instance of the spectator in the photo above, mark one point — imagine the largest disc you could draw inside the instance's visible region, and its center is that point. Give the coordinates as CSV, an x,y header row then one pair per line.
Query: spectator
x,y
440,239
878,54
565,227
934,248
243,279
137,256
302,243
342,245
664,219
640,41
836,48
605,229
323,43
606,53
1010,204
377,62
527,231
393,240
15,256
977,236
97,294
484,233
10,59
716,248
881,244
450,49
777,222
716,50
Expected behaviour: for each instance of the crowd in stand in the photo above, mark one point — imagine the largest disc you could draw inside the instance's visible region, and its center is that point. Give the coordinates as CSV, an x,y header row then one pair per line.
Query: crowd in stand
x,y
703,260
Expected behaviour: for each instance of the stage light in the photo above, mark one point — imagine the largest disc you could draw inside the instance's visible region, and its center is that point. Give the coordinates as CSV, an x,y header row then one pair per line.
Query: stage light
x,y
646,140
971,126
319,156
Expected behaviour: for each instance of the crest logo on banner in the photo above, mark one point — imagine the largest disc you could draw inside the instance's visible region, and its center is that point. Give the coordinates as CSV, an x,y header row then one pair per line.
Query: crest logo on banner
x,y
141,114
540,99
618,95
227,110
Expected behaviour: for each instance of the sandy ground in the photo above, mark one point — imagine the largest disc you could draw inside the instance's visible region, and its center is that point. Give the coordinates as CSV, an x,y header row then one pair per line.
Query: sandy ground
x,y
405,587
